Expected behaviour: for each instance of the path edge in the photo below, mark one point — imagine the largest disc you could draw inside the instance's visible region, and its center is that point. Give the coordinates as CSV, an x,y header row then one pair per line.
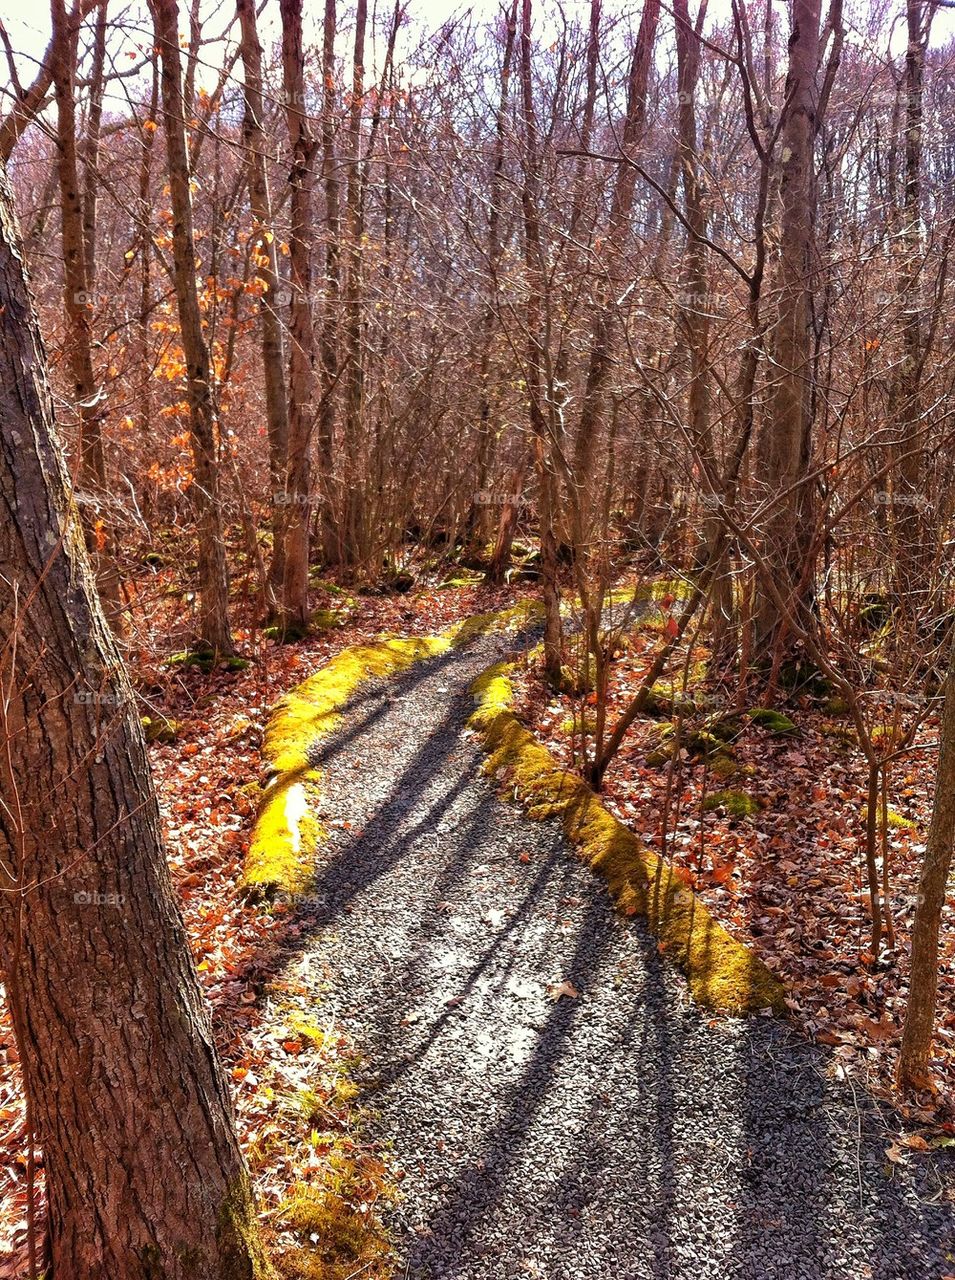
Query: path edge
x,y
723,973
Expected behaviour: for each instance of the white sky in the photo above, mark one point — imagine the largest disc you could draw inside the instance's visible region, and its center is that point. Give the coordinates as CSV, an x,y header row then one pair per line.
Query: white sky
x,y
28,22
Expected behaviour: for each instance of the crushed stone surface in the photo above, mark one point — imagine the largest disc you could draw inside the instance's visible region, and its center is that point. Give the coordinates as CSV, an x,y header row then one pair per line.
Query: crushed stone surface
x,y
620,1133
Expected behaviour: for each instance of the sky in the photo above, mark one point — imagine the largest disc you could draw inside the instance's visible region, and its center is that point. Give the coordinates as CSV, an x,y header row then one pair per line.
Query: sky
x,y
28,22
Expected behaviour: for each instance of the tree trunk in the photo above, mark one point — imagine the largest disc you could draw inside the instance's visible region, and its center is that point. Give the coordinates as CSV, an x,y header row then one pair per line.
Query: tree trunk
x,y
606,323
912,568
541,402
785,443
214,630
487,429
352,516
936,865
144,1172
273,348
77,241
293,605
332,548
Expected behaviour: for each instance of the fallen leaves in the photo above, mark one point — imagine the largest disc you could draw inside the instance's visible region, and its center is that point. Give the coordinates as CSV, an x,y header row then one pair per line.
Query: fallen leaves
x,y
558,990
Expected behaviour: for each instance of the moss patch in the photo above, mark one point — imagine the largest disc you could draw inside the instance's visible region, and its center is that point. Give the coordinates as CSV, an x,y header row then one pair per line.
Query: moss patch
x,y
894,820
774,721
160,729
286,835
722,972
738,804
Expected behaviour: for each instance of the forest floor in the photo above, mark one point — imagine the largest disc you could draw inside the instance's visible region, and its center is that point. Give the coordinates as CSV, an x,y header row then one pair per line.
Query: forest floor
x,y
455,1031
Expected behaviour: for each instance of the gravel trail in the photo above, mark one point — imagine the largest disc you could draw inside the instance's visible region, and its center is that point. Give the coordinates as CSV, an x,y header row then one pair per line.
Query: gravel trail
x,y
621,1135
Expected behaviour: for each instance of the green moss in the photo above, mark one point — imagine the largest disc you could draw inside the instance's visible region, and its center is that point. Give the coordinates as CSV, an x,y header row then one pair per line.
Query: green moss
x,y
326,620
575,726
286,836
774,721
201,658
237,1235
738,804
160,729
841,732
895,821
461,579
724,765
721,971
285,634
836,707
577,679
205,660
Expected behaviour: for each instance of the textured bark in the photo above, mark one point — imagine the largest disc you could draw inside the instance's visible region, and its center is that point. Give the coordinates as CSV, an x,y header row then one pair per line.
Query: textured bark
x,y
606,322
352,516
487,428
273,348
937,863
144,360
328,340
78,241
785,443
909,496
541,403
293,602
144,1173
213,574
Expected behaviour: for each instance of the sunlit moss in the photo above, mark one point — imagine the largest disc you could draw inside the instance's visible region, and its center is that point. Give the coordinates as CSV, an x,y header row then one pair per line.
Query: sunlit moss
x,y
286,835
722,972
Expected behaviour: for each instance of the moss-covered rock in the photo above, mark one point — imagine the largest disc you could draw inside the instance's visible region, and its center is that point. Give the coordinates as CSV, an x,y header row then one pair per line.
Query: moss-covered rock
x,y
895,821
160,728
204,659
774,721
737,804
722,972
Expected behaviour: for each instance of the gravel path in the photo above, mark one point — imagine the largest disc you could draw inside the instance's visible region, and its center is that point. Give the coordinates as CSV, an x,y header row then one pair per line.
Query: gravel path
x,y
623,1134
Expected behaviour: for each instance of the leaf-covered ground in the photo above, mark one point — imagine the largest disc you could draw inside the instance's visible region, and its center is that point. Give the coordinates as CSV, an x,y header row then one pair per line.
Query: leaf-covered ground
x,y
787,876
298,1120
781,861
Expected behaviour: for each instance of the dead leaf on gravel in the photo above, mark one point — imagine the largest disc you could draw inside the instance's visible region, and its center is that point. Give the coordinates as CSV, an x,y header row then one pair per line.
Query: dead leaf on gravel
x,y
565,988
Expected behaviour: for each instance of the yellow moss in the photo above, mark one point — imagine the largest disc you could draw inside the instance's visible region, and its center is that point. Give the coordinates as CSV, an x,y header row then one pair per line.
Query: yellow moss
x,y
287,835
722,972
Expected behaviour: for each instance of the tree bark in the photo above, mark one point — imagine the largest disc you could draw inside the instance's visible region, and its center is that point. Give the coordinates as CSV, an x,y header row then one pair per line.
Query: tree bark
x,y
78,304
293,604
923,977
214,630
144,1172
273,347
785,443
541,402
332,548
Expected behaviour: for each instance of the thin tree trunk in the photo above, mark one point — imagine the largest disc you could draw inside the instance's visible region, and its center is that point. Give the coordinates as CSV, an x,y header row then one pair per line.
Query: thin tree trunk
x,y
537,389
936,865
606,323
214,630
143,1169
273,348
785,442
293,605
78,304
332,547
477,518
354,376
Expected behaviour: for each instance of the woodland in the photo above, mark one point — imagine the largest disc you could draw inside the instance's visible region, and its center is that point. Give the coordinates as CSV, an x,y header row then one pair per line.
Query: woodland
x,y
477,640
